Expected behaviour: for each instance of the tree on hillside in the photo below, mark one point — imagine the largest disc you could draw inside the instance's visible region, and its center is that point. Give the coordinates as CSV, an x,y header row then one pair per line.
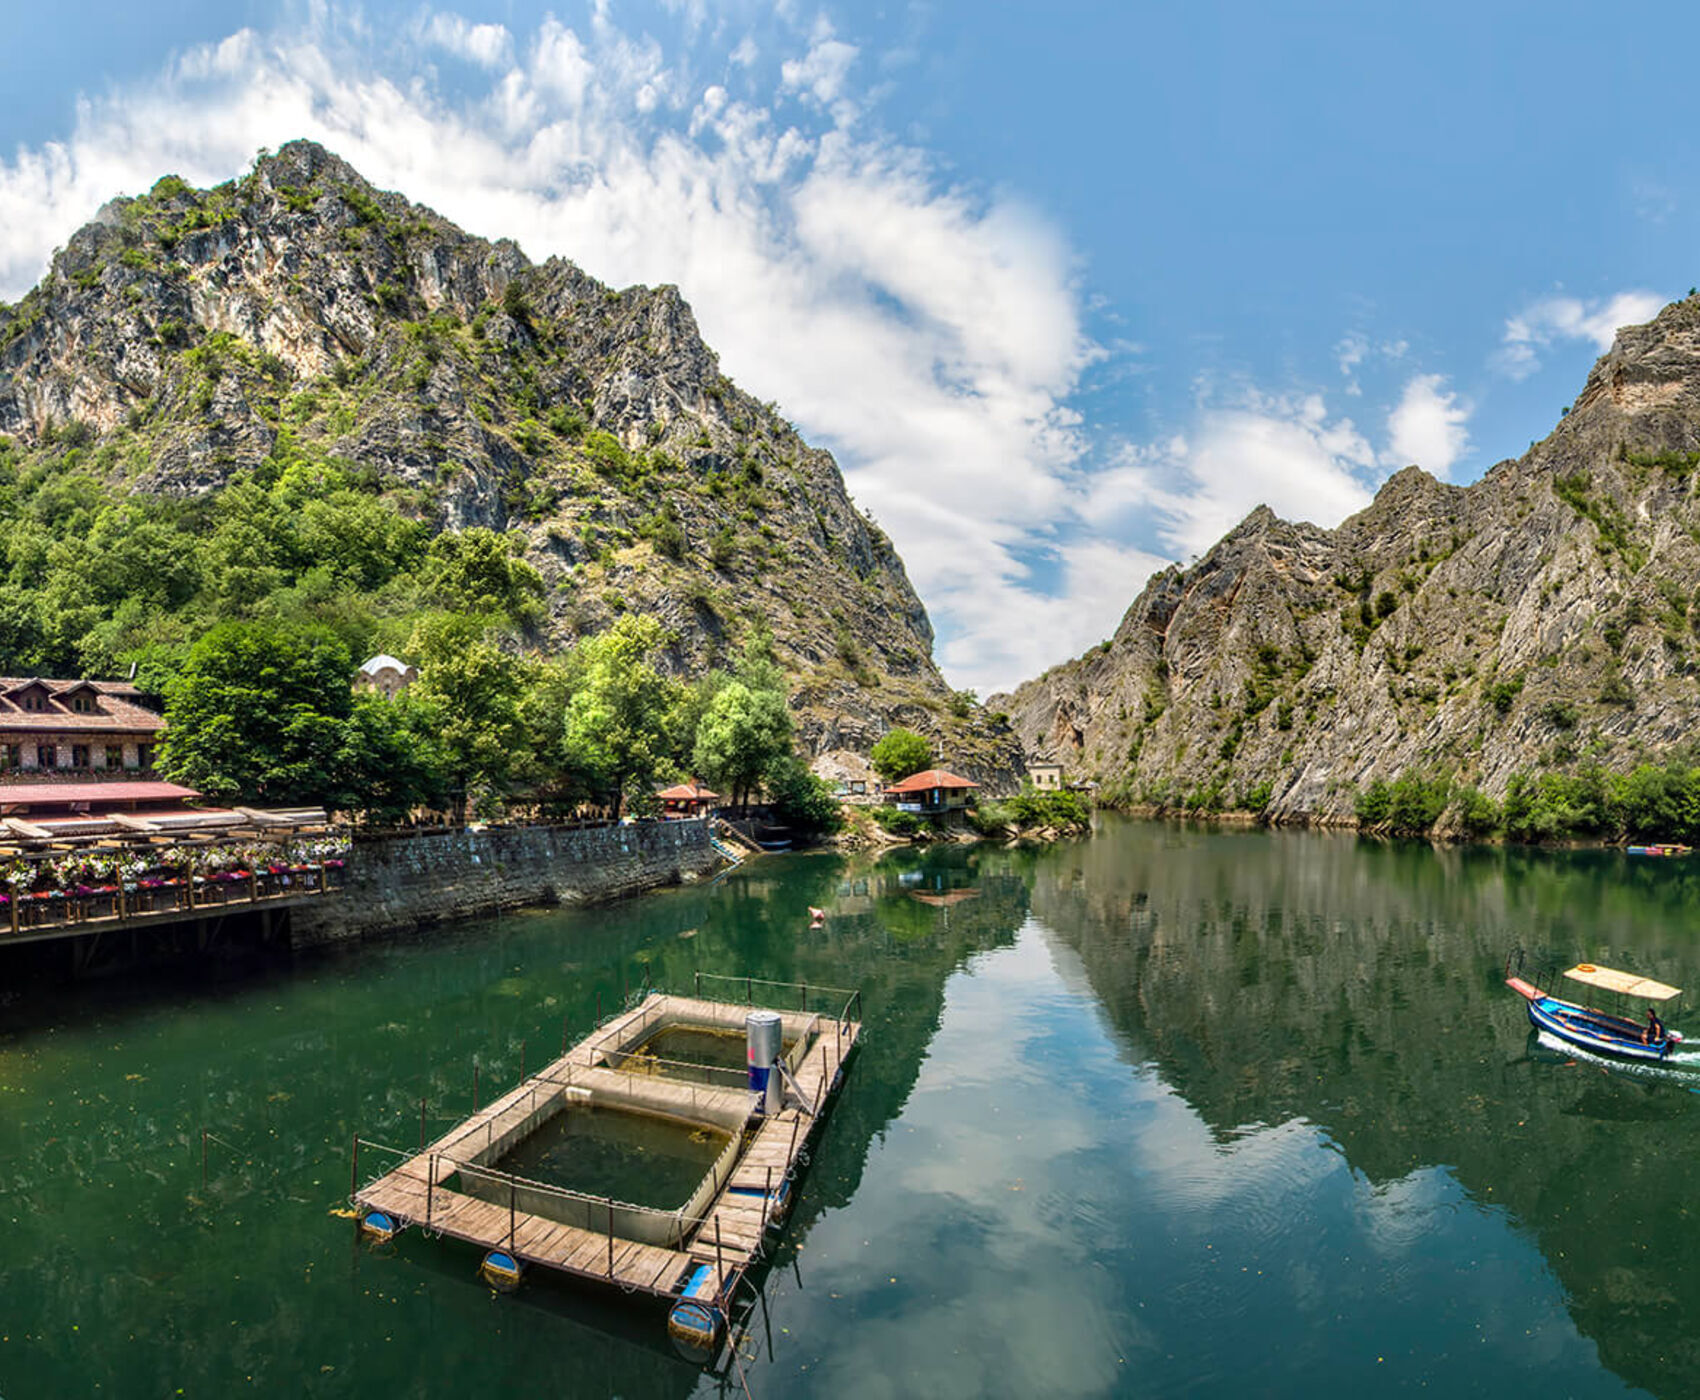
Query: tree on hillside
x,y
480,571
258,712
616,725
900,753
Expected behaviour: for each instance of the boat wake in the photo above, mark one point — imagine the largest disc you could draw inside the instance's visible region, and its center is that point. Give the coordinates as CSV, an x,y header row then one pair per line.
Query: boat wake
x,y
1679,1066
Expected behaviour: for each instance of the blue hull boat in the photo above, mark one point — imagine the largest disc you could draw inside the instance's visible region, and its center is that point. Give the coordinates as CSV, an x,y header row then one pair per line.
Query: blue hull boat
x,y
1601,1032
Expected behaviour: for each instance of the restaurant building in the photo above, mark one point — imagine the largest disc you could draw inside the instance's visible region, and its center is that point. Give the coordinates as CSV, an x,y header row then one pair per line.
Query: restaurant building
x,y
72,729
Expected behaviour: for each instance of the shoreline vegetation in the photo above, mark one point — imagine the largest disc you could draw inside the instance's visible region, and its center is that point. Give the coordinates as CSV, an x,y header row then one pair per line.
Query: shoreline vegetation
x,y
1588,807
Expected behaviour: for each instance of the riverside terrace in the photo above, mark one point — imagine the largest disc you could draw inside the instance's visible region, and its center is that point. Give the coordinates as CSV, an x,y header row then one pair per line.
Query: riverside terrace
x,y
69,889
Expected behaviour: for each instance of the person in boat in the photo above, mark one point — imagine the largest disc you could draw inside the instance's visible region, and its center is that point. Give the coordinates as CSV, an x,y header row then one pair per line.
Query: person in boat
x,y
1655,1031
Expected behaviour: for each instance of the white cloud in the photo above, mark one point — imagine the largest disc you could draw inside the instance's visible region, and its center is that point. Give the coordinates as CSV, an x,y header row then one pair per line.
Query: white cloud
x,y
487,45
1287,454
1560,318
1427,426
929,335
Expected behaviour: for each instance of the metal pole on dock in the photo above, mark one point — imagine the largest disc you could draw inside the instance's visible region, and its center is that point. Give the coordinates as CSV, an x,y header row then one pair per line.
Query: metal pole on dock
x,y
749,996
511,1218
697,984
610,1239
767,1195
563,1035
805,987
522,1062
475,1083
430,1185
354,1169
719,1268
421,1125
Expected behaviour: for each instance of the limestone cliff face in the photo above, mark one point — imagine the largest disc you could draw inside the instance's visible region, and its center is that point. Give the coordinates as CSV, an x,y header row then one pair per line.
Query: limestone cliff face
x,y
1545,616
193,332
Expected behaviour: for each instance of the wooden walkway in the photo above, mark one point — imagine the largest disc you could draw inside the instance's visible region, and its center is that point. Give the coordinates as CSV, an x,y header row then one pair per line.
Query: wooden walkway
x,y
727,1238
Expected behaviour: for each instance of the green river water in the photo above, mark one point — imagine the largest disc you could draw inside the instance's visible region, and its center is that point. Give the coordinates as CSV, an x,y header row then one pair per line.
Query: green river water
x,y
1169,1111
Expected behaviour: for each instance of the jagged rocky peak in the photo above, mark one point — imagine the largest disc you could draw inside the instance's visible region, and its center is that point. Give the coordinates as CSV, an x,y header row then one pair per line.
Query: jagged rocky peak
x,y
1547,615
188,339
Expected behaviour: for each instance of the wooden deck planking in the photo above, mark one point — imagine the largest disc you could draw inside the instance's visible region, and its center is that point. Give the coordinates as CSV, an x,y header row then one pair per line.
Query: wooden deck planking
x,y
768,1160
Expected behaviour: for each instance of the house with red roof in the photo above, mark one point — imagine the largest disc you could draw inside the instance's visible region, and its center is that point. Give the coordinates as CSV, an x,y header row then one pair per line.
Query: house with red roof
x,y
687,800
931,793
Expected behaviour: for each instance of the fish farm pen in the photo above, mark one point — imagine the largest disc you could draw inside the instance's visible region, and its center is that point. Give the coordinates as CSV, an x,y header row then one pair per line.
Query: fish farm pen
x,y
654,1156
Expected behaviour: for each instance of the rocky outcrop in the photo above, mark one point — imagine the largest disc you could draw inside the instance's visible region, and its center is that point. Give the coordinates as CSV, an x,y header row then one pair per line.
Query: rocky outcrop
x,y
1543,617
192,337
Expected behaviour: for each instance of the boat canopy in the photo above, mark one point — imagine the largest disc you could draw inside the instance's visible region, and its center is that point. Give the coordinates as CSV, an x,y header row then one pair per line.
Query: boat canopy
x,y
1628,983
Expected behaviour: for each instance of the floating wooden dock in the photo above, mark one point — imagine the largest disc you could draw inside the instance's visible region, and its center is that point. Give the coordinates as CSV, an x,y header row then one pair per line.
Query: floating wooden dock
x,y
699,1251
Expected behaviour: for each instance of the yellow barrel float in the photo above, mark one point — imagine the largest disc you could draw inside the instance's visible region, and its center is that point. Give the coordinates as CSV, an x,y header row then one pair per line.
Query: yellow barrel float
x,y
377,1227
695,1321
500,1270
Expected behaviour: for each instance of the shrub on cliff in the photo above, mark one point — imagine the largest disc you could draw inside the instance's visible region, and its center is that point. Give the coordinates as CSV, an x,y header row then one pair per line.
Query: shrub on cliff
x,y
900,753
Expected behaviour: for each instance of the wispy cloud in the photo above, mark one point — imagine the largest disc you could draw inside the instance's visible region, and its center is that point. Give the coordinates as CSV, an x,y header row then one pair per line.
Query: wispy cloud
x,y
1559,318
1289,454
1427,427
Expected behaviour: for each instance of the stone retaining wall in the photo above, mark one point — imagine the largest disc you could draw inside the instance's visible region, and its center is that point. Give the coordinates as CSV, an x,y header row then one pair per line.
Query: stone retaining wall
x,y
397,884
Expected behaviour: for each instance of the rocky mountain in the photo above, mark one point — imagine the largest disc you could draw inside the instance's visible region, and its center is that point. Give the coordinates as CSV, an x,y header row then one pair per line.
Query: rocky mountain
x,y
1544,617
186,340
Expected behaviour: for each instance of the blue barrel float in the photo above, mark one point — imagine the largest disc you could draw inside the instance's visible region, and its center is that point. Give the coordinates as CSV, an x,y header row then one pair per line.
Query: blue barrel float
x,y
377,1227
695,1321
500,1270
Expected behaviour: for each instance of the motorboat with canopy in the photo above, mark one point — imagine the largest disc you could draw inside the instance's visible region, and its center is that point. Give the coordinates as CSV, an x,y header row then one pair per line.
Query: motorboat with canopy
x,y
1589,1027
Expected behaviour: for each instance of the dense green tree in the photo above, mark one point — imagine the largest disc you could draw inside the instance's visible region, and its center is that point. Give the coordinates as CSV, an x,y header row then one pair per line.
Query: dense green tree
x,y
743,732
480,571
258,713
616,730
474,688
798,798
899,753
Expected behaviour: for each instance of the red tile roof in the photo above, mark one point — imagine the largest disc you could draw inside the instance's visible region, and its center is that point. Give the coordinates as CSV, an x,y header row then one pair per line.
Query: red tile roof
x,y
688,792
118,708
932,778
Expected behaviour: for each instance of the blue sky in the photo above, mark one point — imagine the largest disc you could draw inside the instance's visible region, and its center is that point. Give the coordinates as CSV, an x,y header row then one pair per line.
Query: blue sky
x,y
1068,288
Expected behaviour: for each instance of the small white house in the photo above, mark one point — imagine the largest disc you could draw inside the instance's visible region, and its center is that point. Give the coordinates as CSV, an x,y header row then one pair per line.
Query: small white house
x,y
1047,777
385,675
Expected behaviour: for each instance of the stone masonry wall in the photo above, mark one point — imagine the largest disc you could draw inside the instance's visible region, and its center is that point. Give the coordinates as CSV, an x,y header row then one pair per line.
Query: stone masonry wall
x,y
397,884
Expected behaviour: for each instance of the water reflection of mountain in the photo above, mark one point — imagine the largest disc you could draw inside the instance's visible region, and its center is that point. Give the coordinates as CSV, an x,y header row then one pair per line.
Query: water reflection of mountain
x,y
108,1089
1272,976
